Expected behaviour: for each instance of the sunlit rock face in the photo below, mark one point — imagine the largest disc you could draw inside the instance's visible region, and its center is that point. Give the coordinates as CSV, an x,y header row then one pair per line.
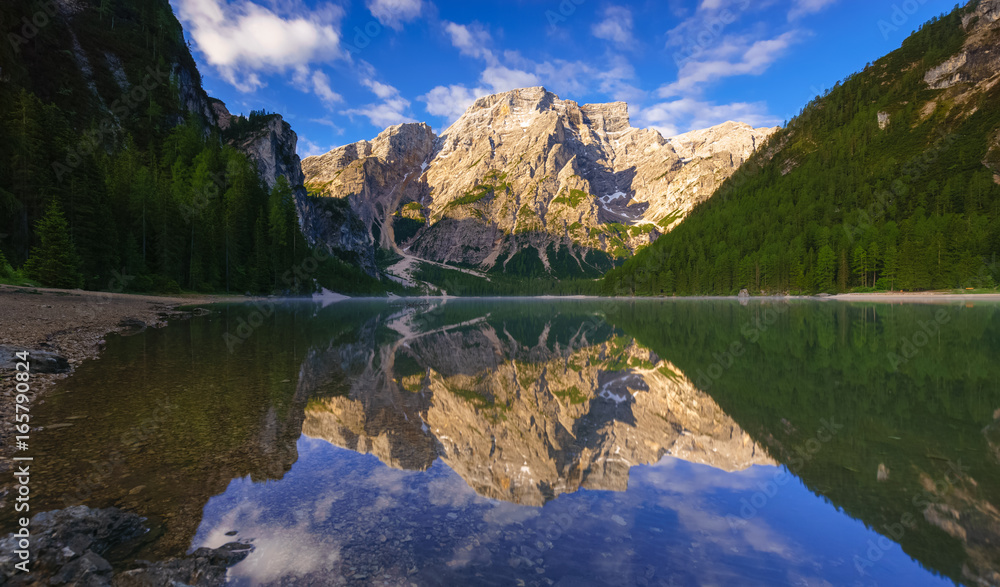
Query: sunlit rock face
x,y
526,170
526,423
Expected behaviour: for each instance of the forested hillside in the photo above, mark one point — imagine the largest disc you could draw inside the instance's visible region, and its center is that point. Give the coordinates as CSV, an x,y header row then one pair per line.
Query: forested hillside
x,y
113,172
889,181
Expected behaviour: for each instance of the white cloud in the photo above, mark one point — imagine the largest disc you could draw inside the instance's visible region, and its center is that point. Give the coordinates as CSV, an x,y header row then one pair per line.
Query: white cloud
x,y
471,40
394,13
616,26
386,114
675,117
802,8
321,85
392,109
502,78
509,70
735,56
307,148
242,39
614,81
329,123
706,28
451,101
381,90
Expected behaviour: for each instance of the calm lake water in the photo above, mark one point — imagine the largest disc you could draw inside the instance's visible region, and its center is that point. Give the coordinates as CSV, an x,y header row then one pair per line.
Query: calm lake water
x,y
550,442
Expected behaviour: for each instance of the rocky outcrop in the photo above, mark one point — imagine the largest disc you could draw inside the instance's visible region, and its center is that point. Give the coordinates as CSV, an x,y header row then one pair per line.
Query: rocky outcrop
x,y
223,119
972,72
73,546
192,97
977,65
526,170
947,74
336,228
376,176
271,144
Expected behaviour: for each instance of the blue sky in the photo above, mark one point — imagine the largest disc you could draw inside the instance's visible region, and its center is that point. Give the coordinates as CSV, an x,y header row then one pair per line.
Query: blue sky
x,y
342,71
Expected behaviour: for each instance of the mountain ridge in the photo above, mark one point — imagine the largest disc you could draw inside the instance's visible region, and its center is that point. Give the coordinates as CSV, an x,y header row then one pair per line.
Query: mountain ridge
x,y
887,182
525,170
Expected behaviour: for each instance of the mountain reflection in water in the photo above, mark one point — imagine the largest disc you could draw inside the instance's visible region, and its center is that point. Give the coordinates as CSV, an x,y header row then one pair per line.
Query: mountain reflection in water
x,y
519,421
504,442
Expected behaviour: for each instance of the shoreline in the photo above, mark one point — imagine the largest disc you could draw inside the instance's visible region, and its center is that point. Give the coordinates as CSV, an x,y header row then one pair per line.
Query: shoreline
x,y
71,324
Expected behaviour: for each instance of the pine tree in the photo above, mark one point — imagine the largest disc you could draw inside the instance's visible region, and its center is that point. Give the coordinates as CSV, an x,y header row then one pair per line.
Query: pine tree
x,y
890,266
54,263
825,269
874,258
859,264
6,271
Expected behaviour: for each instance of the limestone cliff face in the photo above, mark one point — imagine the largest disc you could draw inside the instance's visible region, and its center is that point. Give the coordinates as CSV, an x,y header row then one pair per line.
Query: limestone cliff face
x,y
971,73
978,63
526,424
377,176
526,170
272,146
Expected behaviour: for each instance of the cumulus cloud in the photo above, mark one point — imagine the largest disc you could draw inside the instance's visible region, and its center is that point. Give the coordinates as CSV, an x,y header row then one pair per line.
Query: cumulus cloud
x,y
390,111
321,86
384,114
616,26
307,148
471,40
242,39
676,117
383,91
451,102
508,70
735,56
395,13
502,78
615,81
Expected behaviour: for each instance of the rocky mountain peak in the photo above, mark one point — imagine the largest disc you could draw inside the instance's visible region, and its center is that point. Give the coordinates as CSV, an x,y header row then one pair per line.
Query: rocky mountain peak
x,y
402,142
536,98
529,177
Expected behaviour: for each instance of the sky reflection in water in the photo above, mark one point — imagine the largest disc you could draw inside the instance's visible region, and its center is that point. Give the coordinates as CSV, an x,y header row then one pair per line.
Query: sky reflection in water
x,y
552,443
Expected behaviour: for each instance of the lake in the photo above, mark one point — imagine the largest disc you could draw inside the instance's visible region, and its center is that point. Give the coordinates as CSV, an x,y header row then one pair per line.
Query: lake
x,y
546,442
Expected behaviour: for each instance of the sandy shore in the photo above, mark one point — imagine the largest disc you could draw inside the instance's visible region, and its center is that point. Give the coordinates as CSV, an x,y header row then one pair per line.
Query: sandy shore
x,y
71,324
938,297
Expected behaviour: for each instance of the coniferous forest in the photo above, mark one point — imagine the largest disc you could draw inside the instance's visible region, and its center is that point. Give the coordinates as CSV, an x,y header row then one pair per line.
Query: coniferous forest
x,y
112,177
836,203
108,181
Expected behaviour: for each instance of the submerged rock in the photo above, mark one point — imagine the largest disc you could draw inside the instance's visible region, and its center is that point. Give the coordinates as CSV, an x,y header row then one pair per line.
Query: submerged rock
x,y
40,361
203,568
72,547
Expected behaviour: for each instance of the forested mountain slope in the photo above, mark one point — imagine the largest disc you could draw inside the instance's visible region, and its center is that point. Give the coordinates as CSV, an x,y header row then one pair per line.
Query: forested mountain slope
x,y
891,180
118,172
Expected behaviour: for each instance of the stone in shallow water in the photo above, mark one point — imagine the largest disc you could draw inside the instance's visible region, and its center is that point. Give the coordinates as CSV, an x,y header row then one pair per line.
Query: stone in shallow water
x,y
70,545
39,361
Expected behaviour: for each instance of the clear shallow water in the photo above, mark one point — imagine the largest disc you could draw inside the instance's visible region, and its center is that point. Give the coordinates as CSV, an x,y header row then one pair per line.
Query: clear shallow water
x,y
551,443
